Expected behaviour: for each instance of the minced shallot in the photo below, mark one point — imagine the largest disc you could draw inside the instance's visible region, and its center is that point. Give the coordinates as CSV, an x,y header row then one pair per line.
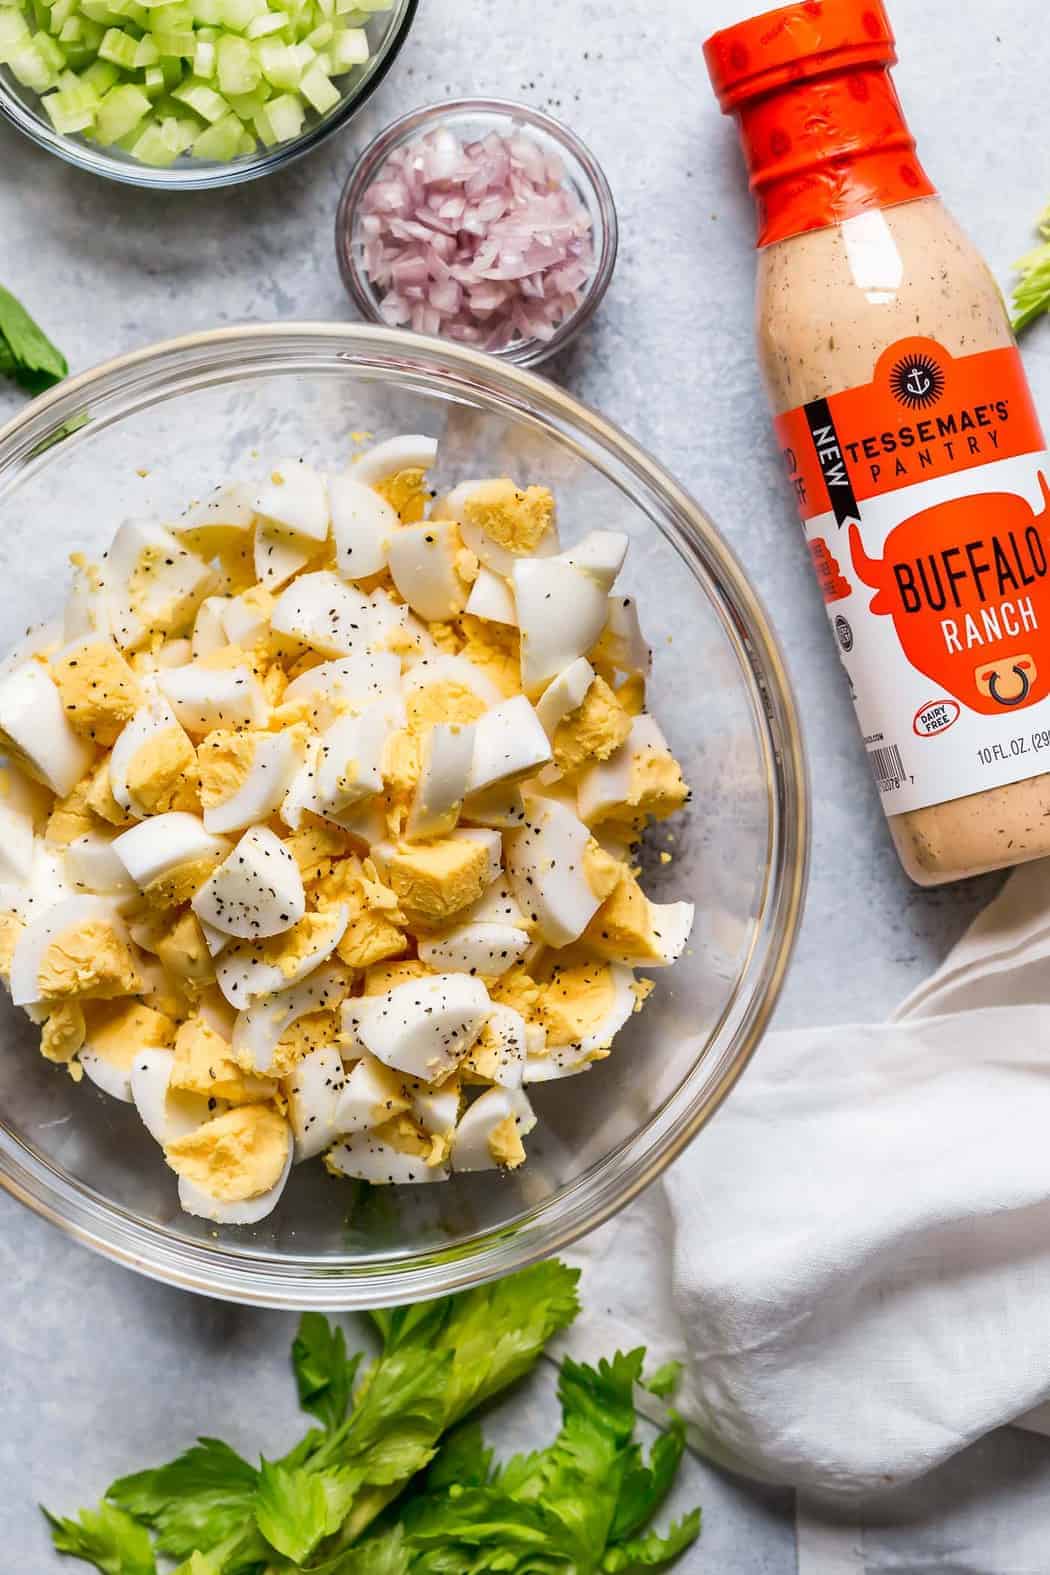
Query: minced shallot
x,y
484,242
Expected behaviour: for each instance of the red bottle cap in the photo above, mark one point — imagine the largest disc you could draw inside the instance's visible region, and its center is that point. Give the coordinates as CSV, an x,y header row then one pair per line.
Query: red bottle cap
x,y
795,43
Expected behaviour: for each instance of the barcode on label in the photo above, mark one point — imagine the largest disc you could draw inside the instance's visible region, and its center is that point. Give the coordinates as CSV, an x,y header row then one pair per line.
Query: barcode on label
x,y
888,767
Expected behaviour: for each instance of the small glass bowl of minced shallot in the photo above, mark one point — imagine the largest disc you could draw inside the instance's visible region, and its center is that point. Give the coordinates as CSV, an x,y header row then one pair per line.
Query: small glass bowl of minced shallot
x,y
479,221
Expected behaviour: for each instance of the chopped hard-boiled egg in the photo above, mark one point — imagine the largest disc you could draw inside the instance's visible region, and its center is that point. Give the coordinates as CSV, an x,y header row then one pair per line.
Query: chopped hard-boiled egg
x,y
315,827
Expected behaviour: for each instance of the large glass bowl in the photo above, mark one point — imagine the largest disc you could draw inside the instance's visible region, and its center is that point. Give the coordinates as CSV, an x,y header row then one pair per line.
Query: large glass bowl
x,y
143,434
387,31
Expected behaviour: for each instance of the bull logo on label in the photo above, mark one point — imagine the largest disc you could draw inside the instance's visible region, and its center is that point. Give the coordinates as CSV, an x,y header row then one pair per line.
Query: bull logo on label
x,y
966,585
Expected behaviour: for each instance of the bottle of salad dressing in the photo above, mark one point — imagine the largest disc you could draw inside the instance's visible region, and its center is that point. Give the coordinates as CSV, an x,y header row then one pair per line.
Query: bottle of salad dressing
x,y
908,435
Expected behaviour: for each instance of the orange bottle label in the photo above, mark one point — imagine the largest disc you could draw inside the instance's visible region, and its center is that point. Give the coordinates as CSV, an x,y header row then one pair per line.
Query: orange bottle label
x,y
925,496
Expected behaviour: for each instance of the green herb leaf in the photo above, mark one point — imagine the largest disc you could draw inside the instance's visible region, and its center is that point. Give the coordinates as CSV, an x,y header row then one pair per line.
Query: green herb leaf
x,y
107,1538
26,353
664,1381
462,1461
194,1502
645,1487
646,1553
291,1509
323,1372
1032,290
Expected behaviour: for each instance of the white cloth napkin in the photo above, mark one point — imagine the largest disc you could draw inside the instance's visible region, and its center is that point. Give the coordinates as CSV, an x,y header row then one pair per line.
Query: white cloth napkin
x,y
853,1259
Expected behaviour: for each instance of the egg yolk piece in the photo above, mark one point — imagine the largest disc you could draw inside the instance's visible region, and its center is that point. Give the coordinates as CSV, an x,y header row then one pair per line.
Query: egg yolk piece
x,y
514,518
184,953
235,1156
594,731
443,701
119,1031
371,938
225,760
100,693
495,648
71,817
93,960
505,1144
435,880
204,1065
622,929
11,928
161,776
576,997
62,1035
407,494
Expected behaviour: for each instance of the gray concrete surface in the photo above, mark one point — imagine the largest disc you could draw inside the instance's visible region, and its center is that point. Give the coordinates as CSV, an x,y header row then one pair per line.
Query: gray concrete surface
x,y
101,1370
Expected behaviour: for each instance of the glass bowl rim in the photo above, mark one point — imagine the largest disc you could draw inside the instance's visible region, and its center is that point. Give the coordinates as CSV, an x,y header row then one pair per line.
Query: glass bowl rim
x,y
128,384
528,352
99,162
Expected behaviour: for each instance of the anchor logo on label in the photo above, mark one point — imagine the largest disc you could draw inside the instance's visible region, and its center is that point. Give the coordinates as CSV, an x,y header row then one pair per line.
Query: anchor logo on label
x,y
917,382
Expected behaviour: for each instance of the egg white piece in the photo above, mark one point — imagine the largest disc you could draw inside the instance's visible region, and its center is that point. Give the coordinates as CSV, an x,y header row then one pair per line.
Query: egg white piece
x,y
451,669
491,598
413,451
508,1029
349,684
258,1030
475,948
324,613
371,1094
226,509
547,1066
32,716
313,1088
606,786
46,886
600,554
497,905
242,975
448,753
156,716
350,763
244,623
71,913
622,637
160,844
167,1113
425,1026
500,807
43,637
170,592
422,562
113,1080
277,759
672,924
509,743
256,892
300,795
561,612
209,628
206,698
437,1109
363,523
215,940
278,554
296,496
95,866
390,621
470,1141
17,841
196,1201
88,610
365,1157
564,694
546,870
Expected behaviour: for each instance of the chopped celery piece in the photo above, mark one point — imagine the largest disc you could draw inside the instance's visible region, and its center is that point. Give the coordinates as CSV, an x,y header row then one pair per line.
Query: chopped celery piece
x,y
119,47
321,36
350,8
374,5
99,11
61,13
244,105
236,14
349,48
152,148
209,13
120,112
100,77
211,35
50,51
264,131
157,5
319,89
238,67
69,112
153,82
14,34
146,53
286,116
221,141
131,11
208,104
326,8
204,59
71,31
30,68
264,26
179,46
280,65
173,19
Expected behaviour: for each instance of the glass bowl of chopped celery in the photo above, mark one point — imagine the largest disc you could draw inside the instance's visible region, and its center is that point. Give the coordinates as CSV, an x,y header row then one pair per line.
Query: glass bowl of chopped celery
x,y
139,439
189,94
